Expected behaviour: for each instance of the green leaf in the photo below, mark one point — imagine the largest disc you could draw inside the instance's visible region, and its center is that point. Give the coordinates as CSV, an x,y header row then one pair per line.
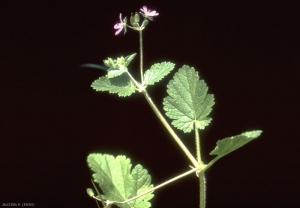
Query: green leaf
x,y
118,182
129,58
188,103
121,85
115,72
230,144
157,72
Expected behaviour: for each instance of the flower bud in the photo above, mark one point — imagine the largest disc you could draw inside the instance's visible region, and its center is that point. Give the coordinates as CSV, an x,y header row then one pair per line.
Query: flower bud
x,y
90,192
145,22
136,18
132,19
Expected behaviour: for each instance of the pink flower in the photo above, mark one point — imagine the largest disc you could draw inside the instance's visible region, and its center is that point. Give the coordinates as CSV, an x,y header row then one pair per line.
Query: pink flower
x,y
119,26
148,13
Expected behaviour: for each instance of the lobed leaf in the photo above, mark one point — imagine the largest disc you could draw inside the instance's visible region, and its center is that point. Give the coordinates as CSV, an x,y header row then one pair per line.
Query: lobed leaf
x,y
230,144
121,85
118,182
188,103
157,72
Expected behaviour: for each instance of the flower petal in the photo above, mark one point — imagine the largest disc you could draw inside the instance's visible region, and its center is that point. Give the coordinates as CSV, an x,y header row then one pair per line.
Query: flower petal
x,y
117,26
118,31
153,13
144,9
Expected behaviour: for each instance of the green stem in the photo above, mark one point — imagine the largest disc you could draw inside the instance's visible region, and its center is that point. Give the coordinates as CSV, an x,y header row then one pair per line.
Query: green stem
x,y
202,183
170,130
197,137
211,163
202,166
164,121
138,85
141,55
163,184
157,112
153,189
98,193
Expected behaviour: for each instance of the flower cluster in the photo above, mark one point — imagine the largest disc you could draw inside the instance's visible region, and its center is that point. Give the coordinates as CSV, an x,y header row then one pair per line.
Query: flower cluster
x,y
134,20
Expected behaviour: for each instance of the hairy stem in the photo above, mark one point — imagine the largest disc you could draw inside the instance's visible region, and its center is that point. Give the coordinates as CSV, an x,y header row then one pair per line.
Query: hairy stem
x,y
170,130
202,183
198,150
202,166
141,55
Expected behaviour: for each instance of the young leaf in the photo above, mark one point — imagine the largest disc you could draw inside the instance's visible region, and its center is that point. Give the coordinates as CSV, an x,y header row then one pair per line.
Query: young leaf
x,y
118,183
121,85
157,72
129,58
120,62
188,102
230,144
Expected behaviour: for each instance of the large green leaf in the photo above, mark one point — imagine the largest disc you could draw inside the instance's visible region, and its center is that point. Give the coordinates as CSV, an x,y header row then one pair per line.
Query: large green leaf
x,y
187,102
121,85
157,72
118,182
230,144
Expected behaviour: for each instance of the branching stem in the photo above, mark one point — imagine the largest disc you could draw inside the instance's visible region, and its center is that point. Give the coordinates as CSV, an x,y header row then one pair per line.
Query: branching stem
x,y
201,174
142,89
170,130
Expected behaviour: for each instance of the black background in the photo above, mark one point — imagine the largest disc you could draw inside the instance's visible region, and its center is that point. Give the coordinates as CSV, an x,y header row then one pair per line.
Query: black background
x,y
50,118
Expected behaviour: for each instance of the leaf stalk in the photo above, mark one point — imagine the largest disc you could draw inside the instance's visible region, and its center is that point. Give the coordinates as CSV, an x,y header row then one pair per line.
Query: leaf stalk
x,y
153,189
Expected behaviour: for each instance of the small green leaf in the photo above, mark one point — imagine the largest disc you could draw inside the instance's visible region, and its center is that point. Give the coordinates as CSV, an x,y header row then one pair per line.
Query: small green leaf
x,y
121,85
115,72
157,72
230,144
188,103
90,192
129,58
118,182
